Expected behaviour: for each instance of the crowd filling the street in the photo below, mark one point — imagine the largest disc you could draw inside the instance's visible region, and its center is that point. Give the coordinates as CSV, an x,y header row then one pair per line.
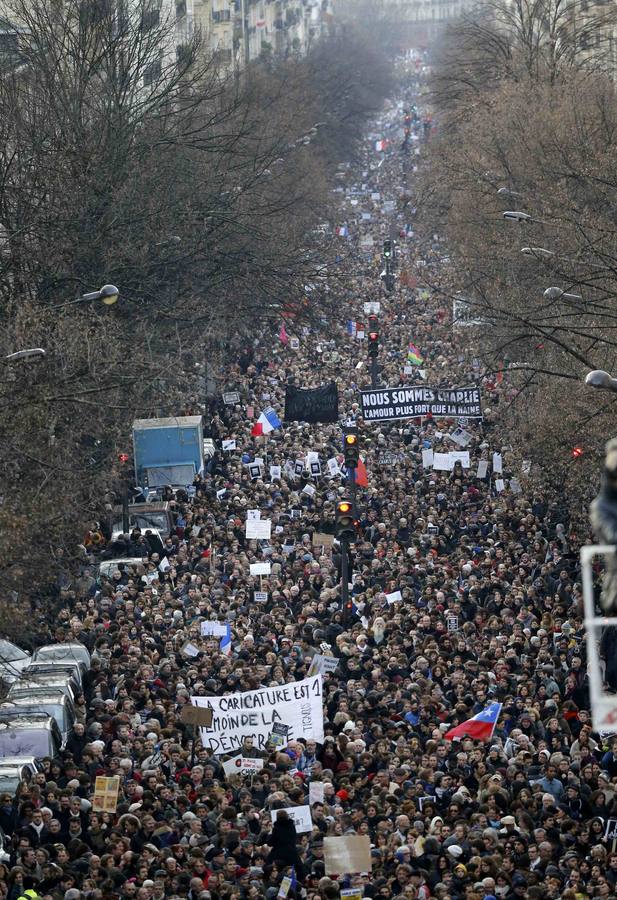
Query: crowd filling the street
x,y
233,722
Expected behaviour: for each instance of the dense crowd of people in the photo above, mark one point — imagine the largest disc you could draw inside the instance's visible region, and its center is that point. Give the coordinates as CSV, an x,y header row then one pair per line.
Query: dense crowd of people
x,y
490,611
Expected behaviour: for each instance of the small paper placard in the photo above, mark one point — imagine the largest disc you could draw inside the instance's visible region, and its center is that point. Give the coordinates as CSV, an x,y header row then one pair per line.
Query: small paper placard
x,y
497,463
260,596
260,568
316,792
259,529
213,629
348,854
482,469
394,597
427,458
229,445
196,715
301,816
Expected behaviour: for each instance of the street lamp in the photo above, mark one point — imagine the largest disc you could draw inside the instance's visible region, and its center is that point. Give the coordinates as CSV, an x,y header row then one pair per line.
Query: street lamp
x,y
506,192
108,295
26,355
538,252
513,215
555,293
601,380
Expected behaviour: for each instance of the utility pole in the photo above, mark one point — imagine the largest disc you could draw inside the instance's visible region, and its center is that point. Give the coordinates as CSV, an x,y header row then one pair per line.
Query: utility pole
x,y
373,347
345,532
123,459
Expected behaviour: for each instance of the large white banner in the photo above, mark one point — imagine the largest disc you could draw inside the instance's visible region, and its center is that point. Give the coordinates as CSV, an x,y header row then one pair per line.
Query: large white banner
x,y
253,713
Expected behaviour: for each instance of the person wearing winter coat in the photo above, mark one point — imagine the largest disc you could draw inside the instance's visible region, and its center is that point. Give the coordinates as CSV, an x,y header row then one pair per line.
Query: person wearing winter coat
x,y
284,850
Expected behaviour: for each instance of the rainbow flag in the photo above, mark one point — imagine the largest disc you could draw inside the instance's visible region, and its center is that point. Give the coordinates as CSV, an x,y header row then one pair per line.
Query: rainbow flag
x,y
414,357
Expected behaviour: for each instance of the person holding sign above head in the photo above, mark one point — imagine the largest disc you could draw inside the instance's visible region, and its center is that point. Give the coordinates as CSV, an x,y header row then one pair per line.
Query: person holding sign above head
x,y
283,839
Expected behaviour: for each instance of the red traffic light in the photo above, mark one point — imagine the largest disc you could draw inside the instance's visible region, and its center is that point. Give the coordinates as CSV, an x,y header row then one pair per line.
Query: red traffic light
x,y
373,336
577,452
123,457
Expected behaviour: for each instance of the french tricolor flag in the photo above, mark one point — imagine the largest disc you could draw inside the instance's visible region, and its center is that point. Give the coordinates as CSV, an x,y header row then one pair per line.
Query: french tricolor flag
x,y
266,423
225,643
480,727
342,231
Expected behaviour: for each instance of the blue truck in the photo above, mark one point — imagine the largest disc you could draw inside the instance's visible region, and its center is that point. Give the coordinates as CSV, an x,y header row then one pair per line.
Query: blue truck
x,y
168,451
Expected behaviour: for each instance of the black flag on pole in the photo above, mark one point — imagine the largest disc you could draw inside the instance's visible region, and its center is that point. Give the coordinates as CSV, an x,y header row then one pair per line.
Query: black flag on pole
x,y
311,405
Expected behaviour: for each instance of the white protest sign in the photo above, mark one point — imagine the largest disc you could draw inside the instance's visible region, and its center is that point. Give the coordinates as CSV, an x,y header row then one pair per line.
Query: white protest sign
x,y
394,597
190,649
241,765
461,456
526,467
442,462
408,370
371,307
482,469
460,437
252,514
252,714
499,485
220,494
333,466
294,343
316,792
309,489
320,665
301,816
259,529
260,596
229,445
275,473
497,463
262,568
164,564
213,629
515,486
427,458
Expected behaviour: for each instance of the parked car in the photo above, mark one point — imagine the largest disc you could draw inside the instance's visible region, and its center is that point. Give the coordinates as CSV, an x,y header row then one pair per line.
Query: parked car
x,y
33,734
12,661
56,681
14,770
154,516
47,700
66,668
108,566
58,653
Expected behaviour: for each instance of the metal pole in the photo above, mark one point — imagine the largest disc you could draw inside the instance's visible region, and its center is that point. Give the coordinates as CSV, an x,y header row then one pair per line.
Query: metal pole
x,y
345,576
373,371
125,505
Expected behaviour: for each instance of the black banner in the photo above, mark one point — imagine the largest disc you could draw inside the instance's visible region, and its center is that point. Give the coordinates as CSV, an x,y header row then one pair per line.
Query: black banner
x,y
312,405
388,404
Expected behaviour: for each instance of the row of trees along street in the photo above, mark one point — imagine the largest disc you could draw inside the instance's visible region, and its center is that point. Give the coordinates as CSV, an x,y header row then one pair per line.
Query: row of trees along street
x,y
197,194
527,122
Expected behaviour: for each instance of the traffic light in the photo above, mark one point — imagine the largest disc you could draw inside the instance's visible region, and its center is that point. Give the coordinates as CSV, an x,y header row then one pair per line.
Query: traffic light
x,y
577,452
351,448
345,527
123,458
347,610
387,249
373,336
